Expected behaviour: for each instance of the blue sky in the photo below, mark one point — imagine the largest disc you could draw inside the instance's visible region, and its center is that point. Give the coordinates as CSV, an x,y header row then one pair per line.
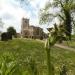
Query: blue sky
x,y
12,11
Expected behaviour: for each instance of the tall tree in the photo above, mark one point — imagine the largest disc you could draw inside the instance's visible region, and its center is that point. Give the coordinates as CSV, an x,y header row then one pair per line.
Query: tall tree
x,y
12,31
66,13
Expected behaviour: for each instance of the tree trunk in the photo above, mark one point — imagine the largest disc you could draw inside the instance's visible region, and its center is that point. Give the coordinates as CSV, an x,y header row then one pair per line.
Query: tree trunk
x,y
68,25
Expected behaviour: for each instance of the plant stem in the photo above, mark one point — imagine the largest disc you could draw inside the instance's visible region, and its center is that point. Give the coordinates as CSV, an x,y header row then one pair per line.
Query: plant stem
x,y
50,68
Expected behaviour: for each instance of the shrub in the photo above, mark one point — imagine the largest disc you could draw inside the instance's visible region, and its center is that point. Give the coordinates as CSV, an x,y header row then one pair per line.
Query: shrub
x,y
6,36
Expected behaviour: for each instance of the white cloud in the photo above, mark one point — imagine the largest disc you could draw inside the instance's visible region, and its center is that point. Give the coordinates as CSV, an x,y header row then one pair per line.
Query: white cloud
x,y
12,13
38,3
15,14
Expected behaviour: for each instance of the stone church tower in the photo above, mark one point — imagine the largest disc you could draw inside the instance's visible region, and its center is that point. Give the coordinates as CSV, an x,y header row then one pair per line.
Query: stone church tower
x,y
24,26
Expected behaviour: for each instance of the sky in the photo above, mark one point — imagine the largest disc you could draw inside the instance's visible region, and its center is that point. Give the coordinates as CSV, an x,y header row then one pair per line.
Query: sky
x,y
12,11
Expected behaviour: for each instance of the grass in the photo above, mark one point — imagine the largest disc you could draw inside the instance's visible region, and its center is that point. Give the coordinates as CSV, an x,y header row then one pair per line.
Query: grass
x,y
22,50
69,43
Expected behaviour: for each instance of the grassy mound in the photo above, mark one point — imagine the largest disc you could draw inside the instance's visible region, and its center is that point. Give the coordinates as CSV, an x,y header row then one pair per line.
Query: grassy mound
x,y
22,50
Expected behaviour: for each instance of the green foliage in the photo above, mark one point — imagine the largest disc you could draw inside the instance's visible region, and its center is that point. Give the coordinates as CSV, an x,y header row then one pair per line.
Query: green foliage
x,y
63,71
6,36
12,31
33,67
9,67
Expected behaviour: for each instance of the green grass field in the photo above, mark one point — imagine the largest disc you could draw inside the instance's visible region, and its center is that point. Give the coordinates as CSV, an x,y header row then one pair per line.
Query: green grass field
x,y
69,43
22,50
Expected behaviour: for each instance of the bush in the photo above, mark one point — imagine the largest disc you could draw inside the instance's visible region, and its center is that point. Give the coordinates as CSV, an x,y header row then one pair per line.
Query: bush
x,y
6,36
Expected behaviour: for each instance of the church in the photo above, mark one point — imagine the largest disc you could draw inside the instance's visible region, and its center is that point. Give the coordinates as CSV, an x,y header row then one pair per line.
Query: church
x,y
28,31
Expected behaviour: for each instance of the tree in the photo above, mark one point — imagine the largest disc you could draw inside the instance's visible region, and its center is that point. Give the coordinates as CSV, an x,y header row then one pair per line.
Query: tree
x,y
66,13
12,31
